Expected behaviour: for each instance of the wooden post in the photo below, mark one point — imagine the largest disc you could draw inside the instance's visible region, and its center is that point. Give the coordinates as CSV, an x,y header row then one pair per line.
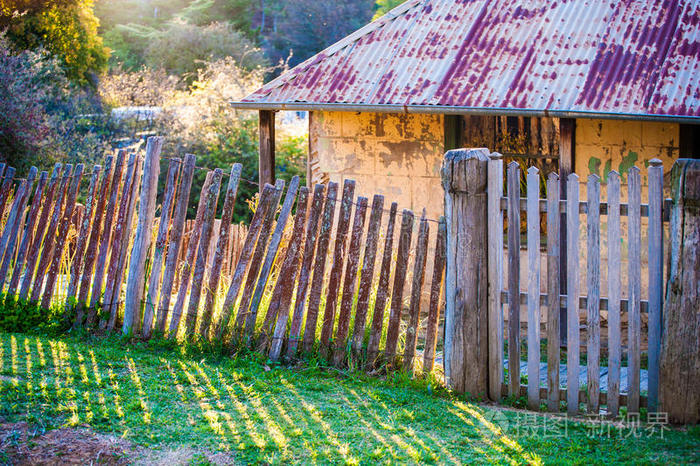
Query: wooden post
x,y
266,171
464,178
136,279
567,144
679,395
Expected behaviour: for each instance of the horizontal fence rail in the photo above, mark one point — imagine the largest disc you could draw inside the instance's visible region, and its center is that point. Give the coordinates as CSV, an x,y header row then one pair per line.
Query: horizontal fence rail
x,y
580,356
316,269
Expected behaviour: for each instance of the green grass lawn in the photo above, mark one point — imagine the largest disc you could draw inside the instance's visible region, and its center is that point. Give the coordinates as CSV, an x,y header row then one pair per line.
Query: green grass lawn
x,y
160,399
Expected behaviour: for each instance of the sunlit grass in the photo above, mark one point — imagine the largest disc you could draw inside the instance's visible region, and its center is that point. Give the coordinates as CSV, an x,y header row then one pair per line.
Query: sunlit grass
x,y
169,398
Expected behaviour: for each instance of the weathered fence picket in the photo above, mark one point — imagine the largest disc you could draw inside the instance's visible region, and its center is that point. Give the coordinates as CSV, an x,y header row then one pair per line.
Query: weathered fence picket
x,y
349,285
593,293
553,291
367,273
108,231
305,272
28,234
572,287
42,223
149,310
375,334
221,248
416,289
324,237
513,279
614,289
337,267
175,243
635,288
533,287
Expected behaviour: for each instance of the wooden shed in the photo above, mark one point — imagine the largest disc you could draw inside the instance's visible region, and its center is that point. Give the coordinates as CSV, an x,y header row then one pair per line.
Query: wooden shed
x,y
524,78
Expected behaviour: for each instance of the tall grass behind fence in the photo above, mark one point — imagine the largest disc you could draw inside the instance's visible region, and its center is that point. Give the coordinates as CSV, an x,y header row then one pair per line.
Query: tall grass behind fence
x,y
316,269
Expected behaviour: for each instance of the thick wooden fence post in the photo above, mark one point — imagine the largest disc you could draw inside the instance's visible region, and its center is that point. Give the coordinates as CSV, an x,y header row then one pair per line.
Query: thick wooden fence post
x,y
135,282
679,393
464,178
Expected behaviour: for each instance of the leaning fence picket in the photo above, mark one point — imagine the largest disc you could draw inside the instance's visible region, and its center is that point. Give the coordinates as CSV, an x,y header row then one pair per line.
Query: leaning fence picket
x,y
431,334
533,287
572,301
93,241
416,294
82,239
324,237
341,232
149,310
212,199
113,244
593,293
367,273
614,289
182,197
350,282
50,238
268,191
272,250
553,291
244,319
186,267
6,188
656,244
110,225
221,246
32,218
396,307
287,279
634,273
60,242
375,334
513,279
305,272
42,223
13,224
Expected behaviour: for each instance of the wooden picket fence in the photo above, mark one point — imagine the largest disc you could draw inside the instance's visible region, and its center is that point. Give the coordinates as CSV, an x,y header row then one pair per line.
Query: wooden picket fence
x,y
570,209
275,285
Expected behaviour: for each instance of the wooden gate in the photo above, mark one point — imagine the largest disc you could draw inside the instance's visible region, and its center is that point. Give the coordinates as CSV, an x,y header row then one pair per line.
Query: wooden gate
x,y
614,288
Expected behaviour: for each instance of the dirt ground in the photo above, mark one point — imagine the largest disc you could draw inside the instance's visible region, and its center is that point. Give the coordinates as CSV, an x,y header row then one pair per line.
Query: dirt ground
x,y
24,444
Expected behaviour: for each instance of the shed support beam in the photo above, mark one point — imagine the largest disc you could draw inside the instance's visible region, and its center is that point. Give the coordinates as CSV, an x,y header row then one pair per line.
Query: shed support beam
x,y
567,144
266,170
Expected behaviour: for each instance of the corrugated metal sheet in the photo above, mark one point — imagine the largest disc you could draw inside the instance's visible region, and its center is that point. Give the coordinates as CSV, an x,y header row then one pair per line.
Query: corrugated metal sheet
x,y
607,57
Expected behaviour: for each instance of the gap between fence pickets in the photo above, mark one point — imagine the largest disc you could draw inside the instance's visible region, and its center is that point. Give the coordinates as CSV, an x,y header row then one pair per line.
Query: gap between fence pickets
x,y
110,261
573,301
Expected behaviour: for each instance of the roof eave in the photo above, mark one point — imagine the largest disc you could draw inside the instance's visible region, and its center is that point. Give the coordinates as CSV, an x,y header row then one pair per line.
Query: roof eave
x,y
457,110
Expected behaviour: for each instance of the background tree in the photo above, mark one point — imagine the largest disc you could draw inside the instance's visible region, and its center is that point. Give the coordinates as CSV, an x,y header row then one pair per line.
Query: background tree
x,y
67,29
308,26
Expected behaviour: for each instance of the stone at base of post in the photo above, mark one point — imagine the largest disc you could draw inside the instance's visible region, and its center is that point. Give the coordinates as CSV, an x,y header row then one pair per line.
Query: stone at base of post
x,y
464,178
679,378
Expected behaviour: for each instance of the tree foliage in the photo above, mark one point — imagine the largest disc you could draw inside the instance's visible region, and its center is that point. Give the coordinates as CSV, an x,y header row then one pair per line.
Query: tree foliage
x,y
65,28
383,7
306,27
42,114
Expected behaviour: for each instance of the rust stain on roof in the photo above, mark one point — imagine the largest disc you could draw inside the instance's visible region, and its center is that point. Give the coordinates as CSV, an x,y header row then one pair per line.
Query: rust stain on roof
x,y
580,56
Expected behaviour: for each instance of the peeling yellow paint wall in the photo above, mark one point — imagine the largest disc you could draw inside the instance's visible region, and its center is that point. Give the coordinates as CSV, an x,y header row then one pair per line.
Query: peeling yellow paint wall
x,y
605,145
397,155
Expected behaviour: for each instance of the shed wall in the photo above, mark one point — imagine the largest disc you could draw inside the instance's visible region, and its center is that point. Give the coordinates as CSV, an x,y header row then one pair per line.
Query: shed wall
x,y
398,155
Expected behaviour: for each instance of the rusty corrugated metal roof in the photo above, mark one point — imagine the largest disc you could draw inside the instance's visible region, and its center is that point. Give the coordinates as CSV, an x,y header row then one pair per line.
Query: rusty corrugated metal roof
x,y
614,58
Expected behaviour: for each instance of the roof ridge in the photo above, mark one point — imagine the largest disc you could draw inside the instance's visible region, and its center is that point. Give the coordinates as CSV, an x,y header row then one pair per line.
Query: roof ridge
x,y
341,44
